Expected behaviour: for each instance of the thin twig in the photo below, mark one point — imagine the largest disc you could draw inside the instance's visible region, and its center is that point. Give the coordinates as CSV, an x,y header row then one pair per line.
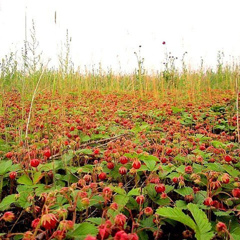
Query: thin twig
x,y
106,140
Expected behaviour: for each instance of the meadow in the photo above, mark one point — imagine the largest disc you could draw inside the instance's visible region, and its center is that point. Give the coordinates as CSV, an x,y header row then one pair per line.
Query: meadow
x,y
134,156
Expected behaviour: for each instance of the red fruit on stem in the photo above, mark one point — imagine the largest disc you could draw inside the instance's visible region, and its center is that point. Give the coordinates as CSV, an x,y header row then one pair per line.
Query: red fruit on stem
x,y
140,199
12,175
188,169
49,221
160,188
123,160
47,153
228,158
110,165
9,155
34,162
96,151
35,222
121,235
122,170
120,220
208,201
136,164
236,192
102,176
148,211
8,216
221,227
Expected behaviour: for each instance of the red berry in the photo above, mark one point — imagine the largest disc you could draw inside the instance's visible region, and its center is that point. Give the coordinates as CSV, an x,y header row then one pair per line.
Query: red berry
x,y
175,180
202,147
9,155
72,128
208,201
8,216
102,176
221,227
110,165
120,220
236,192
12,175
49,221
96,151
122,170
123,160
148,211
35,162
140,199
188,169
35,222
136,164
47,153
228,158
160,188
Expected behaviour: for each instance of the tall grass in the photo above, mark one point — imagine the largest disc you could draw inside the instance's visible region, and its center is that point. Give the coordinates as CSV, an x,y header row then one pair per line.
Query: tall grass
x,y
66,79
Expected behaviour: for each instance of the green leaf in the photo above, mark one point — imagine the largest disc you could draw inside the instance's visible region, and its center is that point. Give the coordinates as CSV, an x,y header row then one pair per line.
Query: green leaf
x,y
150,161
25,179
134,192
23,200
82,230
184,191
96,220
37,177
121,200
181,204
177,215
5,167
85,151
232,171
6,202
203,226
118,190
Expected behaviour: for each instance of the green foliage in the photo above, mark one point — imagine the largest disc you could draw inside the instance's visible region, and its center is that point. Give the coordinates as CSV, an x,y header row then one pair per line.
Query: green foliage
x,y
200,225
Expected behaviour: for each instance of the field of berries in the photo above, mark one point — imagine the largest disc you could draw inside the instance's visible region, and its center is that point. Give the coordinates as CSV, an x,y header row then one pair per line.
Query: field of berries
x,y
96,165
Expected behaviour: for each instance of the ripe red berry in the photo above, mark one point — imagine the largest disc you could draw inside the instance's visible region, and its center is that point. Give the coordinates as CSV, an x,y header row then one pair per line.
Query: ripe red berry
x,y
120,219
160,188
102,176
228,158
140,199
49,221
72,128
208,201
96,151
236,192
110,165
188,169
122,170
221,227
47,153
202,147
148,211
8,216
9,155
34,162
12,175
175,180
123,160
35,222
136,164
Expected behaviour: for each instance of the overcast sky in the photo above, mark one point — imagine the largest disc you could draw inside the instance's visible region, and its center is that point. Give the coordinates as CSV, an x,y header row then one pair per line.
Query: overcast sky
x,y
110,31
